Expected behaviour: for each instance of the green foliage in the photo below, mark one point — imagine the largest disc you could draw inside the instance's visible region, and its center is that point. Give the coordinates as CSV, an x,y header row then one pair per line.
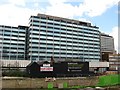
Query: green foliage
x,y
109,80
50,85
15,73
65,85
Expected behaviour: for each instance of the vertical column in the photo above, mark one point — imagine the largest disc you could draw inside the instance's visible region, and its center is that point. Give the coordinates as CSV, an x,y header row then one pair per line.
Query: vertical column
x,y
39,39
31,33
17,45
83,45
77,43
1,46
53,40
66,40
88,45
72,40
46,38
10,43
60,41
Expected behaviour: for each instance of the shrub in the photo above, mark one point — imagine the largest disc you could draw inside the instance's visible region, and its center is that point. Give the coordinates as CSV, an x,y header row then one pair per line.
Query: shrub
x,y
15,73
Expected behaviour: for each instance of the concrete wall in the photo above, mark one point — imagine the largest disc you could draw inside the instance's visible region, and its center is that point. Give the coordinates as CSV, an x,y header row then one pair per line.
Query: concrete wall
x,y
98,64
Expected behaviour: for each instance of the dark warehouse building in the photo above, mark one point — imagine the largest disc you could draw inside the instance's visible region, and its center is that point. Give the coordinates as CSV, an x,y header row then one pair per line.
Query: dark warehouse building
x,y
59,69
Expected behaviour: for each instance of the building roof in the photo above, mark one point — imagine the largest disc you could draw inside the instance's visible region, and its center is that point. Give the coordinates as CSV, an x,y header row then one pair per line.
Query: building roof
x,y
106,35
72,21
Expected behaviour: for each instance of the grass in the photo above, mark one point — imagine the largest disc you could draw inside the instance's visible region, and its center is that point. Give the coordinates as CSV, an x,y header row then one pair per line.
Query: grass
x,y
104,81
109,80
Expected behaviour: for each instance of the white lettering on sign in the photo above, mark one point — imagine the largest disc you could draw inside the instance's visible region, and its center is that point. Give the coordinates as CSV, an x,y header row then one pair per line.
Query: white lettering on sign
x,y
46,68
46,65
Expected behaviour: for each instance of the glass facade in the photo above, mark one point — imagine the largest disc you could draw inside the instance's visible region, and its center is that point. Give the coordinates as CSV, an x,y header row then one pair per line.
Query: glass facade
x,y
107,43
63,39
12,42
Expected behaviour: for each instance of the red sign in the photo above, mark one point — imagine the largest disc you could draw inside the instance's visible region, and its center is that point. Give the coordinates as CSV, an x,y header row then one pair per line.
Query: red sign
x,y
46,68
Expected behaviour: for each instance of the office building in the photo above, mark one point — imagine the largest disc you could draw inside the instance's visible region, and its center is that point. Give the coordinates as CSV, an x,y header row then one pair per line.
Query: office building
x,y
62,39
12,42
107,46
107,43
114,62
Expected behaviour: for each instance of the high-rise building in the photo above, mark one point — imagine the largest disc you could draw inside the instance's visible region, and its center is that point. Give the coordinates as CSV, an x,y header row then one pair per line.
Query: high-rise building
x,y
12,42
62,39
107,46
107,43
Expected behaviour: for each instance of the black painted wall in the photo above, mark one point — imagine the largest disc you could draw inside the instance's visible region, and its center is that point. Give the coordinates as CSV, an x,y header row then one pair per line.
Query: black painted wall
x,y
59,68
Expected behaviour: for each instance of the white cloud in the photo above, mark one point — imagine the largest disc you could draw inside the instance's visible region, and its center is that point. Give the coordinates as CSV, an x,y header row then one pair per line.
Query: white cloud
x,y
97,7
14,16
36,4
114,33
53,2
88,7
62,10
17,2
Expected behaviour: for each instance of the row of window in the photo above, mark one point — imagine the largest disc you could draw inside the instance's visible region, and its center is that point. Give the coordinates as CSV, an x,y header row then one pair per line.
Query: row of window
x,y
63,46
44,26
13,51
63,43
64,57
66,50
12,30
64,38
10,48
10,54
71,34
64,29
12,58
61,39
14,44
15,39
44,44
56,22
66,34
63,54
14,35
68,43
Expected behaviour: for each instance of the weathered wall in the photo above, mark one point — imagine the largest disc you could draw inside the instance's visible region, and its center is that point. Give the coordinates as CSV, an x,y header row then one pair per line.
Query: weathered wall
x,y
40,83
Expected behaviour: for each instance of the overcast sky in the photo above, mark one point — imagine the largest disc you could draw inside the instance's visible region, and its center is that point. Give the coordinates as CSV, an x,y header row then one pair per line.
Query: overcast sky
x,y
102,13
